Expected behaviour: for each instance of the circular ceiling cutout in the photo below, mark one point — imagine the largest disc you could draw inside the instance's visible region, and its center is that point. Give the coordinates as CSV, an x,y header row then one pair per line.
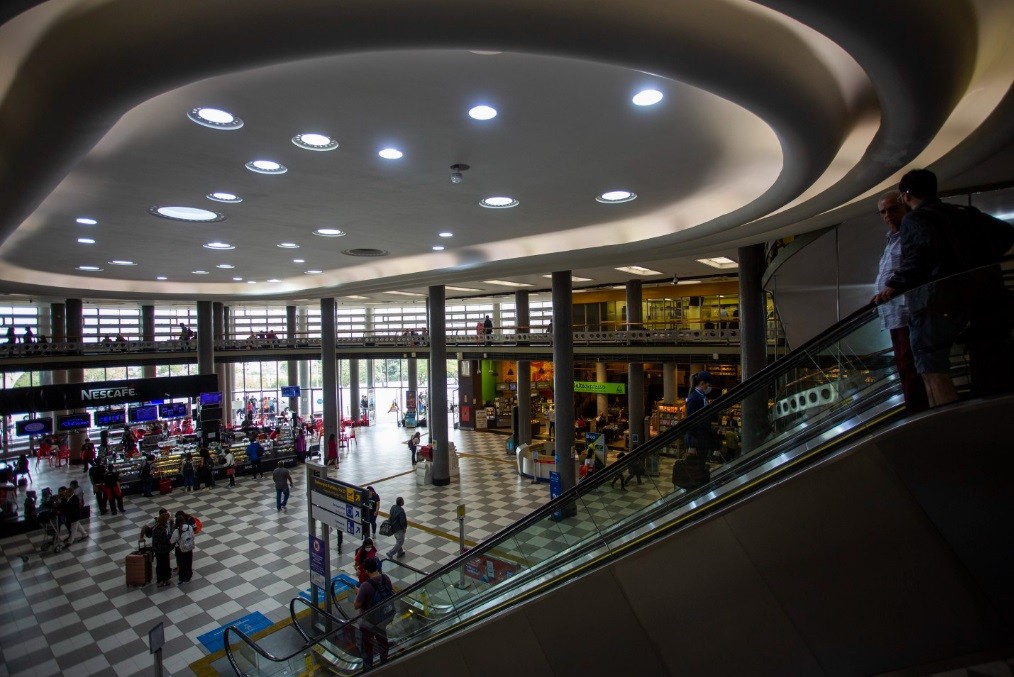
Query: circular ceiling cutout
x,y
215,118
482,113
319,142
266,167
498,202
225,197
365,252
219,245
287,245
390,154
192,214
329,232
616,196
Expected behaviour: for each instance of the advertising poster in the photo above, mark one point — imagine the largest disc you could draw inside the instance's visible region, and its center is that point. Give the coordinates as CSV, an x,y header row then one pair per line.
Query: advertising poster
x,y
597,443
489,569
318,553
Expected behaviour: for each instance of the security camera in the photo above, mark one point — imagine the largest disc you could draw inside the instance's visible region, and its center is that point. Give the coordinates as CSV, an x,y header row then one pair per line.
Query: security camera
x,y
675,279
456,175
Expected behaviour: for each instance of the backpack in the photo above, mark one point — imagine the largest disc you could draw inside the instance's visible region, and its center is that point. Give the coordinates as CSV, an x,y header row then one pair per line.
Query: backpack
x,y
186,539
188,468
160,540
381,600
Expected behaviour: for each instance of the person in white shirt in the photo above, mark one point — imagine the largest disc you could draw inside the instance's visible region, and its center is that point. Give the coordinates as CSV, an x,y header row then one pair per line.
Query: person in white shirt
x,y
230,468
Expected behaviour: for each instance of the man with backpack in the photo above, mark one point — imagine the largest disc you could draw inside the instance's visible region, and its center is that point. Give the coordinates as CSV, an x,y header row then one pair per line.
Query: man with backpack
x,y
375,596
183,539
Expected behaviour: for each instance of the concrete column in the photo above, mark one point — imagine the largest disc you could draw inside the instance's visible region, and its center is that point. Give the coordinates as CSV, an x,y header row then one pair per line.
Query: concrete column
x,y
635,370
669,382
148,334
43,327
438,385
601,400
230,369
753,340
497,321
354,407
523,316
413,376
328,369
303,327
293,365
205,339
563,375
75,333
222,369
57,333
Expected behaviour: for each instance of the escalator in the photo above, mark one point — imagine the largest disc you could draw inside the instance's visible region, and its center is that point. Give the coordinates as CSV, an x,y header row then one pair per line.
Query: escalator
x,y
842,539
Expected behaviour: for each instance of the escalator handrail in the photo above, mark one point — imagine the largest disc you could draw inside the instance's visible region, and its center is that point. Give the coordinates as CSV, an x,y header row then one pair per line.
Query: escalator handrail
x,y
406,566
312,607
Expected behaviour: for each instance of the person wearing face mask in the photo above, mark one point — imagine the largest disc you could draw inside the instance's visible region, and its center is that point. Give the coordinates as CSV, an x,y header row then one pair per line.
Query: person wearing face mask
x,y
698,439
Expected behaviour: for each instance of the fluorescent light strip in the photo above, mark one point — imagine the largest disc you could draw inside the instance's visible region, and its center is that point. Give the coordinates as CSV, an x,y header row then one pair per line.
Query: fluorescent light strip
x,y
461,288
637,270
719,262
403,293
507,283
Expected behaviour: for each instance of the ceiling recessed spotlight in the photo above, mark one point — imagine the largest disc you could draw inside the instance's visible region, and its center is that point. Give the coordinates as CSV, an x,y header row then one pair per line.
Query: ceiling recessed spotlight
x,y
438,248
225,266
219,245
287,245
390,154
403,293
313,271
194,214
85,221
356,296
237,279
647,97
720,262
215,118
484,52
121,262
266,167
199,272
446,234
224,197
329,232
498,202
89,269
86,240
506,283
681,282
460,288
299,260
638,270
314,141
482,113
162,278
614,196
274,279
251,281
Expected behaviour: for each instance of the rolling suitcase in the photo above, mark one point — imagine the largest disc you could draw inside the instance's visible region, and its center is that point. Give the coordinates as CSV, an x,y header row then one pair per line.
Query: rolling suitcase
x,y
165,485
139,566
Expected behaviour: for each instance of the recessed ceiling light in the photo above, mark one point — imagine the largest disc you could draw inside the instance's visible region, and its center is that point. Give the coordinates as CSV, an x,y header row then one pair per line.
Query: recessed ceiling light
x,y
85,221
195,214
89,269
199,272
446,234
287,245
482,113
219,245
438,248
274,279
688,282
720,262
638,270
506,283
86,240
329,232
162,277
251,281
574,278
484,52
461,288
647,97
498,202
215,118
237,279
314,141
619,286
121,262
266,167
224,197
356,296
299,260
225,266
390,154
614,196
313,271
403,293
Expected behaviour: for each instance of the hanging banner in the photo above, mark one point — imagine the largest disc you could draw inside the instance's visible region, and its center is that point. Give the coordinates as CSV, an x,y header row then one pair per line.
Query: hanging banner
x,y
600,388
103,393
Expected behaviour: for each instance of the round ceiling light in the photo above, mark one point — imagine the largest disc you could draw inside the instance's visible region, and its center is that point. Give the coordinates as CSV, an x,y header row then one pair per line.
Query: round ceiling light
x,y
615,196
329,232
498,202
482,113
438,248
89,269
121,262
237,279
161,277
199,272
192,214
225,197
85,221
390,154
214,118
287,245
225,266
266,167
274,280
86,240
446,234
314,141
251,281
299,260
219,245
647,97
313,271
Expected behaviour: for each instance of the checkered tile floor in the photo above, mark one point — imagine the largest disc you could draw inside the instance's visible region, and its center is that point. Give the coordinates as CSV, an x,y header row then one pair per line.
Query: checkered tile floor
x,y
70,613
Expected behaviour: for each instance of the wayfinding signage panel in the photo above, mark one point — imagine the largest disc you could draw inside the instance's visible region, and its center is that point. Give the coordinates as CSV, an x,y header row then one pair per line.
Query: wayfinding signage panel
x,y
337,504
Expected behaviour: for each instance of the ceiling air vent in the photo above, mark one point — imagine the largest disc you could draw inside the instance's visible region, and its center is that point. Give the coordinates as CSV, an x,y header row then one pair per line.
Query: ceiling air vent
x,y
364,252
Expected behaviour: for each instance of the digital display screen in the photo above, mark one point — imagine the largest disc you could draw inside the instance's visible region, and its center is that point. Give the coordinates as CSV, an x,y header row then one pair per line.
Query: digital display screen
x,y
110,418
211,399
290,391
173,410
35,426
142,414
73,422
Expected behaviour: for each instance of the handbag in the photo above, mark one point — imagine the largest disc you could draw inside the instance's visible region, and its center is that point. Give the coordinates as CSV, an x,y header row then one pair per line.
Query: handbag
x,y
691,472
230,471
386,528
